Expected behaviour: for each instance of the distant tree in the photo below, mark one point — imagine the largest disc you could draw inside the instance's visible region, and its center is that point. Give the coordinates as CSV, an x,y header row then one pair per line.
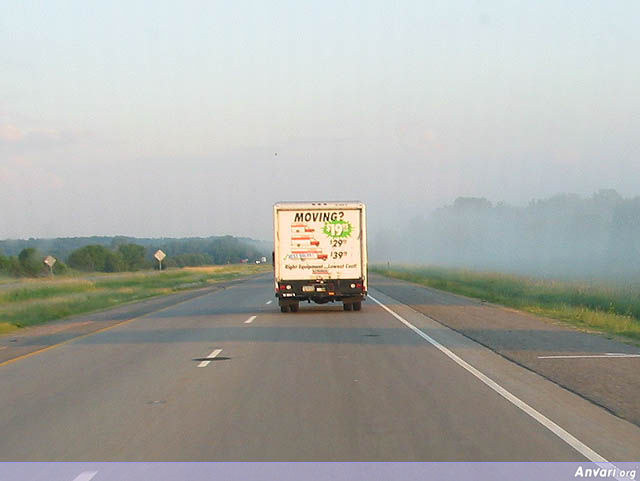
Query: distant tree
x,y
184,260
132,256
472,203
4,263
607,196
120,240
30,262
88,258
60,268
96,258
13,267
113,262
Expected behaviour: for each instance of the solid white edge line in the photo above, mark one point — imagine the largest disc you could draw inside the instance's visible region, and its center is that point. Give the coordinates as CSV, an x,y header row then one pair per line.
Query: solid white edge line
x,y
568,438
85,476
250,320
209,358
591,356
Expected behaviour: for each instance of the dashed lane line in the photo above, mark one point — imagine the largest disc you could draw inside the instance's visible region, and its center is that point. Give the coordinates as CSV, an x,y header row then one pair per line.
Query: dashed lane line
x,y
85,476
210,358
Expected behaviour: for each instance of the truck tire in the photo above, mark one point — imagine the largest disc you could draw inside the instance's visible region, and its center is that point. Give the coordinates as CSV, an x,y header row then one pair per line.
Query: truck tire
x,y
357,306
347,306
284,308
294,307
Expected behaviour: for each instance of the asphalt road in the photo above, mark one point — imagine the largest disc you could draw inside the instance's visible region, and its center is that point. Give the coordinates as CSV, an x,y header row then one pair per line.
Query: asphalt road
x,y
386,383
600,369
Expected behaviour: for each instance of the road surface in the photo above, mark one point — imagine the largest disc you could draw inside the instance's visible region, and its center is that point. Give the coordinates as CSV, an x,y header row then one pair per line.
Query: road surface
x,y
226,376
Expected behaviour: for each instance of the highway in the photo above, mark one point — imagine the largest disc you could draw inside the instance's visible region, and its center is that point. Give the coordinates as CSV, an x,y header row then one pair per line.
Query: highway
x,y
226,376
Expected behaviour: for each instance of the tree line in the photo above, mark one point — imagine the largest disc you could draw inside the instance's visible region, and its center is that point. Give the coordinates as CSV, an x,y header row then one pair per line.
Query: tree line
x,y
117,254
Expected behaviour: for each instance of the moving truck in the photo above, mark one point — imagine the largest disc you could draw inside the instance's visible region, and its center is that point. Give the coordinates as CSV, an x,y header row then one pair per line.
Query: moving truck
x,y
320,253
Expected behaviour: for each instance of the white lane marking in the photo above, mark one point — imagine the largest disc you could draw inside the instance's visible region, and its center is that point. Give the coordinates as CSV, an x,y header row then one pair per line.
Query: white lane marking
x,y
211,356
268,302
572,441
609,355
85,476
250,320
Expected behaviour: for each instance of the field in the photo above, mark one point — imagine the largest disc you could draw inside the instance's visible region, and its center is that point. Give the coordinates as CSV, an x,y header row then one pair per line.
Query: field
x,y
29,302
608,308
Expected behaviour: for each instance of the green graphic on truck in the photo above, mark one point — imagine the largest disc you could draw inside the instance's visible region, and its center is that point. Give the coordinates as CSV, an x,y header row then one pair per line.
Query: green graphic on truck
x,y
338,228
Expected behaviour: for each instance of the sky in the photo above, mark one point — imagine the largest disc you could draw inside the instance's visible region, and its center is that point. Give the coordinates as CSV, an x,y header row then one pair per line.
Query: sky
x,y
170,119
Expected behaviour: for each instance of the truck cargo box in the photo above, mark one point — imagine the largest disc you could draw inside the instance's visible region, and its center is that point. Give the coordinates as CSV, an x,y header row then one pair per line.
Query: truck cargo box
x,y
320,253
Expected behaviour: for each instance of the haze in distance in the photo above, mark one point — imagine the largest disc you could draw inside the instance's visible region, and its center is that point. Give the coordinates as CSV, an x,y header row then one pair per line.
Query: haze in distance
x,y
192,120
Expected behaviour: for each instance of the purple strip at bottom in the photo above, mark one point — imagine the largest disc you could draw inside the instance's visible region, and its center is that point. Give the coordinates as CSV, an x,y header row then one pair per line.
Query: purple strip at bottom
x,y
278,471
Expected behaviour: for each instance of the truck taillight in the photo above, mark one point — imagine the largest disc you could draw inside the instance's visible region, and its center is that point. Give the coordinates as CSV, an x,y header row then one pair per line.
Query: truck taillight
x,y
359,285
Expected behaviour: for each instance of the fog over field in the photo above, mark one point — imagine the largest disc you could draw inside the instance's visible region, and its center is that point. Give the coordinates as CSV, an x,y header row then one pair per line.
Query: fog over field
x,y
562,236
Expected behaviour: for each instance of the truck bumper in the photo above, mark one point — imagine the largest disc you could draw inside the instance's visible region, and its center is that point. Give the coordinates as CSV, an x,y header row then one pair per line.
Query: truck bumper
x,y
321,292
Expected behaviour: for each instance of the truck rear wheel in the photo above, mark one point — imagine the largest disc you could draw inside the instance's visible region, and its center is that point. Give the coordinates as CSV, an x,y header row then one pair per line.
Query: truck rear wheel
x,y
347,306
294,307
284,308
357,306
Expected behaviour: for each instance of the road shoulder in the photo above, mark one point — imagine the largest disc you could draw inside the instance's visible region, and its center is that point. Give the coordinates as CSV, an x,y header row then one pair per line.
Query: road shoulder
x,y
578,361
577,421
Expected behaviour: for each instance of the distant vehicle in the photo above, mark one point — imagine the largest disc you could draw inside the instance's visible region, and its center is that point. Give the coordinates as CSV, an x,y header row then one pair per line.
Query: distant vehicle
x,y
320,253
263,259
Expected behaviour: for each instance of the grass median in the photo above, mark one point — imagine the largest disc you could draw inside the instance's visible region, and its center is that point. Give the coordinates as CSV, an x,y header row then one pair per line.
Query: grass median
x,y
608,308
35,301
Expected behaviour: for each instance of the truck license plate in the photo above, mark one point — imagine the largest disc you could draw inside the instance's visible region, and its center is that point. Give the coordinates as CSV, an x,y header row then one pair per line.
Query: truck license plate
x,y
308,288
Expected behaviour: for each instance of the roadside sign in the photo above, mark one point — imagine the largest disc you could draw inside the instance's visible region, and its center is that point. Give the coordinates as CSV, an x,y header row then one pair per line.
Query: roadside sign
x,y
159,255
50,261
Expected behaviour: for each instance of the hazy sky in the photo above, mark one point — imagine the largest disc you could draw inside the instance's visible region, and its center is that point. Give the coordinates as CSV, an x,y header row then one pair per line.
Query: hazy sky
x,y
155,119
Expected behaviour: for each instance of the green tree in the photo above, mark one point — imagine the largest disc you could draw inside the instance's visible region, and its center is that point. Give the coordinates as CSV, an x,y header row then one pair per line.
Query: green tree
x,y
183,260
30,262
60,267
13,266
113,262
132,256
4,263
119,240
96,258
88,258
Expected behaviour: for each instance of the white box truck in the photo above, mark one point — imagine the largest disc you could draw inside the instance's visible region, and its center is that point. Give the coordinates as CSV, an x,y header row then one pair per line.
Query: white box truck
x,y
320,253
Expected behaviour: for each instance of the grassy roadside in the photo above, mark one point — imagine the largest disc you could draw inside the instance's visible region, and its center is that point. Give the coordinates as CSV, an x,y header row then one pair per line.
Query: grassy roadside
x,y
607,308
33,302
